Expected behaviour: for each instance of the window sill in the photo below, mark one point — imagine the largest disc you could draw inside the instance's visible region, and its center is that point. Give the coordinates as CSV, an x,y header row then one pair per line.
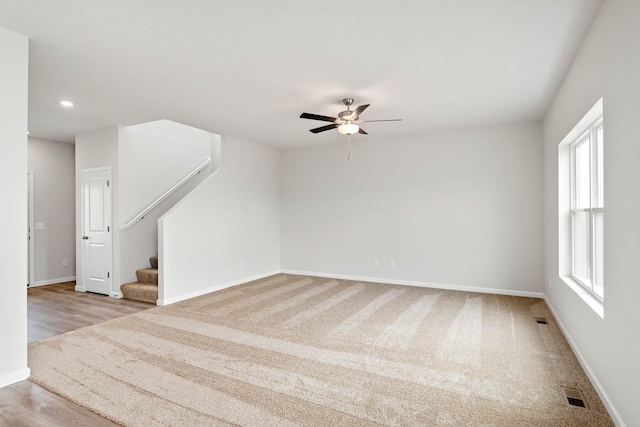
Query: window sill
x,y
595,304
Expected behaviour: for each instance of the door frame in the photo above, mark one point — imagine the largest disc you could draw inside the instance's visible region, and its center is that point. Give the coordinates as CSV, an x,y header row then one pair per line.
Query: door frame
x,y
31,224
80,285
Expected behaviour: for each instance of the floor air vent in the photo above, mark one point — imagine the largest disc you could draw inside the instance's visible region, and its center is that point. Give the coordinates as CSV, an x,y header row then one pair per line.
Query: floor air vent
x,y
541,320
573,397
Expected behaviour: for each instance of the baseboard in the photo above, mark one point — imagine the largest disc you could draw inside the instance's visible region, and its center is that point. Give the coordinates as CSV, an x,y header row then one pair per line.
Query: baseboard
x,y
615,416
419,284
79,288
14,377
190,295
52,281
116,295
167,301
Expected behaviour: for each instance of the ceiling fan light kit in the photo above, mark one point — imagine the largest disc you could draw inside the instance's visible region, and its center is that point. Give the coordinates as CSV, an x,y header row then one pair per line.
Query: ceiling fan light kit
x,y
348,128
347,122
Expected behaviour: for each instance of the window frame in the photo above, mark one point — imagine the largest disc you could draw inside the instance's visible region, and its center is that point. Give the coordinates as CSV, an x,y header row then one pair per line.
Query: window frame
x,y
596,202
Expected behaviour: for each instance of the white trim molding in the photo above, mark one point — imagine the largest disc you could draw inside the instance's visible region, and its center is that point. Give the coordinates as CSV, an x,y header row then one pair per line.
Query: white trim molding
x,y
588,297
567,206
53,281
167,301
613,413
14,377
116,295
32,229
496,291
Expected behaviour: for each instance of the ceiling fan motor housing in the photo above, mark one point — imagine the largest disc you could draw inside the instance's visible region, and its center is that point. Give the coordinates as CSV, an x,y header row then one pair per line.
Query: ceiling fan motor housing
x,y
346,115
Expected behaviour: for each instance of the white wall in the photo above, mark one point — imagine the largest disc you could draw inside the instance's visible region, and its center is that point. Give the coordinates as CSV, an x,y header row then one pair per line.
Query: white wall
x,y
53,167
153,157
96,149
233,216
608,66
140,242
460,208
14,57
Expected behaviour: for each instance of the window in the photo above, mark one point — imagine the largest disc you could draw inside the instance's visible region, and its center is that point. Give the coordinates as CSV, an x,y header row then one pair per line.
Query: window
x,y
587,209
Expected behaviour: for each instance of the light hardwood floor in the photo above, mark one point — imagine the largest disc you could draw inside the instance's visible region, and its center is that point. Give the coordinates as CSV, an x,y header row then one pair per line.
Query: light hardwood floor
x,y
53,310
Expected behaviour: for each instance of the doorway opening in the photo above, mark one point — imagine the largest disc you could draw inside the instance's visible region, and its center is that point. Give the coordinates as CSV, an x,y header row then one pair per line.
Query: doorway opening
x,y
30,227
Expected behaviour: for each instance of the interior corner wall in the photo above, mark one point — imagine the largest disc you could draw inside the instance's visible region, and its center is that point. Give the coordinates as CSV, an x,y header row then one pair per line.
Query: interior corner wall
x,y
53,167
227,230
153,157
140,242
14,57
459,208
96,149
608,66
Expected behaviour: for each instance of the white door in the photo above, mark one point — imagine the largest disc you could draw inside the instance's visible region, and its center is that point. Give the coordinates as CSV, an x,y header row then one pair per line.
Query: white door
x,y
96,230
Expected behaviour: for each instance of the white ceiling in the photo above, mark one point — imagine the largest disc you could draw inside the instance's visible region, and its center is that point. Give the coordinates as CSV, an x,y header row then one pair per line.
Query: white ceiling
x,y
250,68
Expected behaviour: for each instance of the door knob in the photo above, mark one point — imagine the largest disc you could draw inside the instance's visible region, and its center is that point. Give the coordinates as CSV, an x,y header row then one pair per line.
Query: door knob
x,y
85,237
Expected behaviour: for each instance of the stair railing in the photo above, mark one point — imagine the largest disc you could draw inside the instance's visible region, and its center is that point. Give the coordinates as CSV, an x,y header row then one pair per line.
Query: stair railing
x,y
166,194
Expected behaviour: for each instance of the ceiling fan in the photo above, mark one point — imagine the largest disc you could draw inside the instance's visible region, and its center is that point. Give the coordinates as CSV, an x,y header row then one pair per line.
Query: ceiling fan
x,y
347,122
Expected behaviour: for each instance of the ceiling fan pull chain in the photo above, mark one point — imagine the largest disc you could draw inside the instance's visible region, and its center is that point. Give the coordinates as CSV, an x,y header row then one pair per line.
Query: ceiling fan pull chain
x,y
349,149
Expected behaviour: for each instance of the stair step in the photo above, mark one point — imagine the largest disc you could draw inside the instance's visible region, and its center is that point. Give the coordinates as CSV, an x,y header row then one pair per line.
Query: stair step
x,y
154,262
148,275
140,292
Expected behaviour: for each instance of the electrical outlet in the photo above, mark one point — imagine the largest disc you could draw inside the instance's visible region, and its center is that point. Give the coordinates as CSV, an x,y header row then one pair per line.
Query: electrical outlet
x,y
392,263
376,263
65,262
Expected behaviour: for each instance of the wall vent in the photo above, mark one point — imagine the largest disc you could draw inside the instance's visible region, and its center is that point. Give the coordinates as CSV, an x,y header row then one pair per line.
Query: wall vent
x,y
573,397
541,320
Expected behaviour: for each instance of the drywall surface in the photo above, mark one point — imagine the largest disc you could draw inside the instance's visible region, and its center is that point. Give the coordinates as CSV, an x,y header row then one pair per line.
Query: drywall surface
x,y
14,57
140,242
53,167
153,158
96,149
459,208
607,65
227,229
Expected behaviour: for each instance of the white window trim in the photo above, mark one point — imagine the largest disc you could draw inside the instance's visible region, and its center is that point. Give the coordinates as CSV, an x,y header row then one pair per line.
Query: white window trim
x,y
588,136
596,304
565,211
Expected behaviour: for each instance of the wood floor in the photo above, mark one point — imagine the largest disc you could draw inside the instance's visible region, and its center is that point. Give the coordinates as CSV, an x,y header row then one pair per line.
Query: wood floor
x,y
56,309
53,310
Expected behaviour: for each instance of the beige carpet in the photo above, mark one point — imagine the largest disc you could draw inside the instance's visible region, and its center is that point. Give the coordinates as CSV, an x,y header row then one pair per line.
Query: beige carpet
x,y
291,350
146,287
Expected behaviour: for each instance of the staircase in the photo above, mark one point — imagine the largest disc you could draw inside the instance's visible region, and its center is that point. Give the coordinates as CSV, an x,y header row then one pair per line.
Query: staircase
x,y
146,288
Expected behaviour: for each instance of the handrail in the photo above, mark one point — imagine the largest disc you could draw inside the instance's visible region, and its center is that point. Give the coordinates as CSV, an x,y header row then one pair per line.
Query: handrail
x,y
167,193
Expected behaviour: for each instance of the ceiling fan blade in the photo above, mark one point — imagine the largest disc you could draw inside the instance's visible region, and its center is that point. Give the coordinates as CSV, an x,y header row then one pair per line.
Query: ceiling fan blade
x,y
387,120
323,128
360,109
317,117
362,131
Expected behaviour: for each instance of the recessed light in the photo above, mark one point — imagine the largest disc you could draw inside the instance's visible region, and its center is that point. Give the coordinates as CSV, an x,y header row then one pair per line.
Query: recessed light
x,y
66,104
